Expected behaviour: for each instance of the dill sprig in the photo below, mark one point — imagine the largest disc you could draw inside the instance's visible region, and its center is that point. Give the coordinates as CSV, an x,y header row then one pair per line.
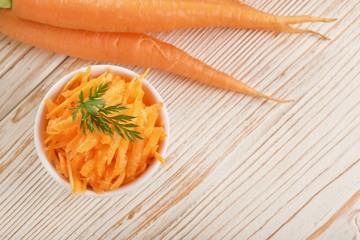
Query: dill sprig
x,y
95,115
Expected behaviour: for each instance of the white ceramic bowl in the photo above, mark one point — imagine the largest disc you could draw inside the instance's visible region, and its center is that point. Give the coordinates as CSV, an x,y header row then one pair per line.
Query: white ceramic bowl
x,y
41,122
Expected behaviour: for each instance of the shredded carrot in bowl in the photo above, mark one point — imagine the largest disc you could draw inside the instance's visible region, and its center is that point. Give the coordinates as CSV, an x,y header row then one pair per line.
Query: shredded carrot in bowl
x,y
95,157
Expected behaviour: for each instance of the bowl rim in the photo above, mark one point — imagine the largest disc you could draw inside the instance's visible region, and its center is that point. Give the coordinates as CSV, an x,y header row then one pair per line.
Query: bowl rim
x,y
55,89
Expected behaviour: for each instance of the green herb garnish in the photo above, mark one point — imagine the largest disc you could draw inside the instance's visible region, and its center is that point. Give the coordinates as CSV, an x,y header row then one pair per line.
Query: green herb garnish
x,y
95,115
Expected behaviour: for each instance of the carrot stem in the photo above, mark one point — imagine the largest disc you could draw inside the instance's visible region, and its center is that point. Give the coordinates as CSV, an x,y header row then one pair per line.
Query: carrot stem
x,y
5,3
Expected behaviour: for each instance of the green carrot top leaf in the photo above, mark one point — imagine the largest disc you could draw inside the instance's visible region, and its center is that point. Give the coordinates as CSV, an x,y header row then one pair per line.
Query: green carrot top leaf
x,y
5,3
95,115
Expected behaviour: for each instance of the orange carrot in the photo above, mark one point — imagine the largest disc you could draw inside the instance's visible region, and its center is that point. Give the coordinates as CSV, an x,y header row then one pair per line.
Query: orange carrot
x,y
154,15
120,48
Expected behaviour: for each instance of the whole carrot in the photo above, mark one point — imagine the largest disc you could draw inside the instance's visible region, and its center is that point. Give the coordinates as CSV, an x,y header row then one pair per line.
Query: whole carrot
x,y
121,48
154,15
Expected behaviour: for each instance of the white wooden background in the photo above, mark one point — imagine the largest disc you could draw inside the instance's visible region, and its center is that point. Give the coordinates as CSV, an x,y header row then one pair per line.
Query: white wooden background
x,y
237,167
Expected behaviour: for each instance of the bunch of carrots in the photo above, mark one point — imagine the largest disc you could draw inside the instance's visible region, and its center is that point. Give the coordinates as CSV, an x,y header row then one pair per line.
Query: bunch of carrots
x,y
114,31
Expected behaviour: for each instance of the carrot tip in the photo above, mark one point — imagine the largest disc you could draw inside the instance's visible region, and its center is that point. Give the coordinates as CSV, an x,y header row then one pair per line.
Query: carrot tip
x,y
245,89
277,99
304,18
300,30
330,19
323,37
324,20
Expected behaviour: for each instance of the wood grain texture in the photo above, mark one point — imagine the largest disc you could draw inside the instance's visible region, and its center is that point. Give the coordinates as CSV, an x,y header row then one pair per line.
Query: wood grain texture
x,y
237,167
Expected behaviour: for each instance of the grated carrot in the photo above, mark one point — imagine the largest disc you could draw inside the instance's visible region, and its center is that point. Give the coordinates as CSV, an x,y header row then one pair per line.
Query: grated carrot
x,y
94,160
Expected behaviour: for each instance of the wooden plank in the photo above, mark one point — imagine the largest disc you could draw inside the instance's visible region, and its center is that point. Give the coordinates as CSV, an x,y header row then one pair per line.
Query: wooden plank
x,y
344,223
237,167
19,75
